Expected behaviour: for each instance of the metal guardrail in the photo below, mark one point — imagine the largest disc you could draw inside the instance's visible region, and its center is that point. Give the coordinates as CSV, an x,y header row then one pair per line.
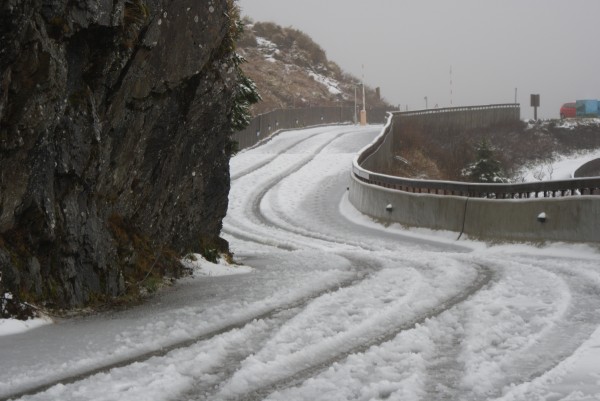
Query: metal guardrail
x,y
545,189
265,125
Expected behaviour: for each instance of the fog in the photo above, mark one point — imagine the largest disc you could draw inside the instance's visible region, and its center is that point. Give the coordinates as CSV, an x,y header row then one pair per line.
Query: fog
x,y
459,52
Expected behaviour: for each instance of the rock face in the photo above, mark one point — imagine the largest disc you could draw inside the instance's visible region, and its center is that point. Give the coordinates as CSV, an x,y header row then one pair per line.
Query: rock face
x,y
114,141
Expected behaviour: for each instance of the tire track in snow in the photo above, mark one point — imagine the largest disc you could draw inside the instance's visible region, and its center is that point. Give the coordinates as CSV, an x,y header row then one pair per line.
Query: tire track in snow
x,y
363,270
293,227
331,209
484,278
547,348
560,341
272,182
445,373
263,163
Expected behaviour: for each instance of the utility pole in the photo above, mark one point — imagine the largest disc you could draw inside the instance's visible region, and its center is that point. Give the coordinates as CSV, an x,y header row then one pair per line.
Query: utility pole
x,y
450,86
355,119
426,106
535,103
363,112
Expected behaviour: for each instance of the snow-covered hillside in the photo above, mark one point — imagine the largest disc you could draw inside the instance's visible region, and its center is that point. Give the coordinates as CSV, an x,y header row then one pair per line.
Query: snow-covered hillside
x,y
291,70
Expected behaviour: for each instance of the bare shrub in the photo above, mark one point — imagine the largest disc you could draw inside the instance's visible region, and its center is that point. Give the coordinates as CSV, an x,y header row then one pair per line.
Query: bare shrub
x,y
266,29
515,145
247,39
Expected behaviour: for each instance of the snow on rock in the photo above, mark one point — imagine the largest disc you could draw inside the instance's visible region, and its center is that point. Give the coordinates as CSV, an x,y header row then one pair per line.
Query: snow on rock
x,y
268,48
332,85
202,267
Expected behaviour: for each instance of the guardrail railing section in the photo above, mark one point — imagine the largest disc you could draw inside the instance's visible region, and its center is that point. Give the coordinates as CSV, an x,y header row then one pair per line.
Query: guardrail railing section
x,y
265,125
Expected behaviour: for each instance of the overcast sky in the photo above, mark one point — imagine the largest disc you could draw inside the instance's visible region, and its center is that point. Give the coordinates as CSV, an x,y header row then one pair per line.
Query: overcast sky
x,y
550,47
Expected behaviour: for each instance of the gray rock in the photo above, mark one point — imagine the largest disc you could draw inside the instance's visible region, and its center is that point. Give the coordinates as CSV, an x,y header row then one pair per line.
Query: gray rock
x,y
106,110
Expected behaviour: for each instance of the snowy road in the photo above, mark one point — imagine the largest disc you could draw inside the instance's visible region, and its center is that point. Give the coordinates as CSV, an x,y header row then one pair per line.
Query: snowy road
x,y
336,308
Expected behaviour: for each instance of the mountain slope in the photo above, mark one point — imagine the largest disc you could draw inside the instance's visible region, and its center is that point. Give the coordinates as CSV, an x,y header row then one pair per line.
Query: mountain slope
x,y
290,70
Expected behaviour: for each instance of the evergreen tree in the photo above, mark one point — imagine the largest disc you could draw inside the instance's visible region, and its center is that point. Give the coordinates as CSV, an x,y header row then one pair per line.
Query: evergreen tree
x,y
486,168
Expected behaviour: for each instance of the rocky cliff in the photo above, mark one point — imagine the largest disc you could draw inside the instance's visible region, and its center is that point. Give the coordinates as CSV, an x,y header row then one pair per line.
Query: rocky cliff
x,y
114,142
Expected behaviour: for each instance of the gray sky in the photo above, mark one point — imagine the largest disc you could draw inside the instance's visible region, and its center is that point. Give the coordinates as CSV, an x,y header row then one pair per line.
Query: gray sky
x,y
550,47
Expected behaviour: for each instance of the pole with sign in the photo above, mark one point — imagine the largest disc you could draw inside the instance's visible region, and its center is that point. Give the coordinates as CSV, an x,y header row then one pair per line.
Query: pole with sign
x,y
535,103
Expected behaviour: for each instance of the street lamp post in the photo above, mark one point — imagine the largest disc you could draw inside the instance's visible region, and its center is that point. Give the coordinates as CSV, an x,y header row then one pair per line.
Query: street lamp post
x,y
426,106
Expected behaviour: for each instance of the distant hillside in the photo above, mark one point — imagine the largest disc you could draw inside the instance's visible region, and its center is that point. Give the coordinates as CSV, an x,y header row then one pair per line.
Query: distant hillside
x,y
291,70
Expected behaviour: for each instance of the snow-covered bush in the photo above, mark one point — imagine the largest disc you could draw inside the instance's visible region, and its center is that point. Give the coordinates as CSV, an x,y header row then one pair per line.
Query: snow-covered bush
x,y
486,168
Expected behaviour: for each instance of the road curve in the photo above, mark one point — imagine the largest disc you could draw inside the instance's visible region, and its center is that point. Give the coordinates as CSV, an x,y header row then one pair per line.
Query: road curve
x,y
338,307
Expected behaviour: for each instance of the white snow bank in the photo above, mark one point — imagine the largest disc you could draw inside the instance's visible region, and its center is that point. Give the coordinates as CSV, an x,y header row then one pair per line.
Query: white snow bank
x,y
14,326
202,267
561,168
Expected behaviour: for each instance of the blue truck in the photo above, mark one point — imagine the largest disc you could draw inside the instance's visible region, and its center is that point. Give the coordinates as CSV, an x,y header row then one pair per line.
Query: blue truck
x,y
587,108
580,108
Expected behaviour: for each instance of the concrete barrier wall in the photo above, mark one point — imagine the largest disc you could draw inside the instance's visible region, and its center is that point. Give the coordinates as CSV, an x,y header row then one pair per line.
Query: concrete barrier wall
x,y
382,158
572,219
414,210
465,118
569,219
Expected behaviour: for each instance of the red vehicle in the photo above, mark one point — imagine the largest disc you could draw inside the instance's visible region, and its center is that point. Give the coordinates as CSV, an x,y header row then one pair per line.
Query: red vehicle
x,y
568,110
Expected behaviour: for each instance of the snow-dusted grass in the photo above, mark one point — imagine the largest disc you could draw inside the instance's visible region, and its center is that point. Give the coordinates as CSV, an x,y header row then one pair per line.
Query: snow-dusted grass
x,y
331,84
267,47
572,123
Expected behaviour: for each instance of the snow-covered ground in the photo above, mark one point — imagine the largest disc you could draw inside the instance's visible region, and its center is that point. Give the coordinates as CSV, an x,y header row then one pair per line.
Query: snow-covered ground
x,y
562,168
14,326
334,307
